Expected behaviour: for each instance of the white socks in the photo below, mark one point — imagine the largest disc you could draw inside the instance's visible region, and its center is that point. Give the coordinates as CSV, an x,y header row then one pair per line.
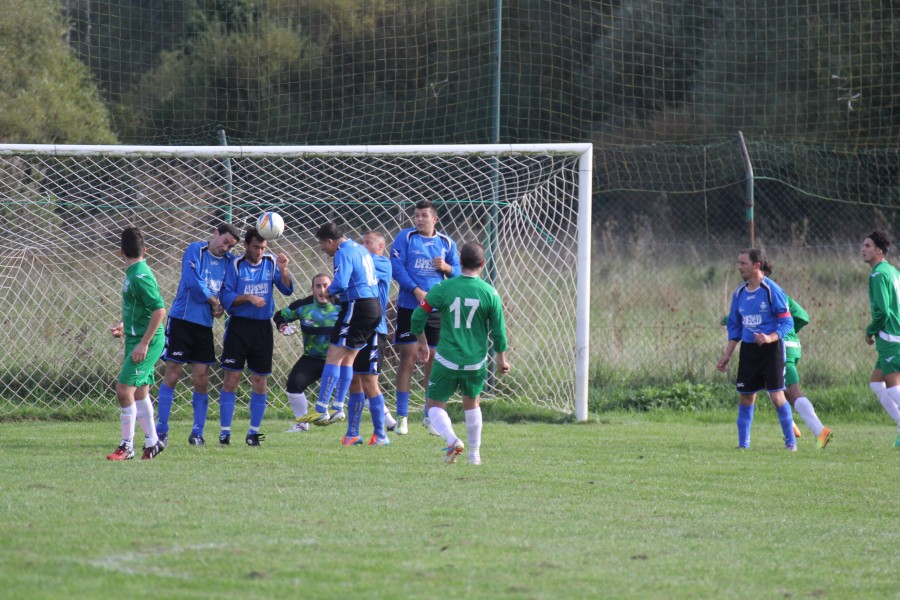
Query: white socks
x,y
473,429
144,408
887,402
440,420
299,404
127,417
893,395
805,409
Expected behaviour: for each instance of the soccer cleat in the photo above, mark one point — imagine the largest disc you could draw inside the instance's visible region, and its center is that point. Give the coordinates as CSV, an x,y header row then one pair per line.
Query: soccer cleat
x,y
325,419
379,441
253,439
313,417
402,426
163,439
123,452
351,441
152,451
796,429
452,452
790,447
298,428
390,423
195,440
224,439
475,458
426,423
823,438
739,447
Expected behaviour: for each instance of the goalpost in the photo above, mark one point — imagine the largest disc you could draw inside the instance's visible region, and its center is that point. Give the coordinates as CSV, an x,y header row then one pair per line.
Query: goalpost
x,y
62,209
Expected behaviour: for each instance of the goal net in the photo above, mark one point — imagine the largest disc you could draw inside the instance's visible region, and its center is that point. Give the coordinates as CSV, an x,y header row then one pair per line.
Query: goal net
x,y
62,209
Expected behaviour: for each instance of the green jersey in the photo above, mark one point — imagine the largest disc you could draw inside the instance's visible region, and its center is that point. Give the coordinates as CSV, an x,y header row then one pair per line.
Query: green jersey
x,y
140,297
884,295
800,320
470,309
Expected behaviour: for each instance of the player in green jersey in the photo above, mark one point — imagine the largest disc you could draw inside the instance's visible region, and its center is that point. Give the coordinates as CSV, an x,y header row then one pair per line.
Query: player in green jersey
x,y
471,312
884,329
143,311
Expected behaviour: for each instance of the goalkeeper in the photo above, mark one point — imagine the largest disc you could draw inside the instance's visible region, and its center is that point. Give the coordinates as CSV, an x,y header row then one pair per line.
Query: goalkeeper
x,y
471,312
317,316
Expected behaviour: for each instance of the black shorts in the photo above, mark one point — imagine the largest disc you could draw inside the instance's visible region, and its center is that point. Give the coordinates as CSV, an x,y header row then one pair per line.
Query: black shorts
x,y
368,360
248,340
356,322
188,342
761,367
432,328
306,371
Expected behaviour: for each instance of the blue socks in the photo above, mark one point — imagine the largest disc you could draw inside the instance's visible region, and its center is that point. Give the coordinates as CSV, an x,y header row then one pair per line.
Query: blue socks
x,y
226,410
330,376
744,422
786,418
164,408
376,407
402,404
200,402
342,387
257,410
354,413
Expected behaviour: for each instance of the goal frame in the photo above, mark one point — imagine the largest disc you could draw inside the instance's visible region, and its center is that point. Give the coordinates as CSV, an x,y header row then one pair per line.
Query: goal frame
x,y
584,152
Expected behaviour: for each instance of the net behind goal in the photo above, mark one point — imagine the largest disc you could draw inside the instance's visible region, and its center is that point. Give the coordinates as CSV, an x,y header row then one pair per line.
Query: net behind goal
x,y
62,210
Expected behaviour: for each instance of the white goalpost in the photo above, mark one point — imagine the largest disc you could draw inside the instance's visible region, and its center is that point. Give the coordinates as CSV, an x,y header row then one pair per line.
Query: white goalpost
x,y
62,209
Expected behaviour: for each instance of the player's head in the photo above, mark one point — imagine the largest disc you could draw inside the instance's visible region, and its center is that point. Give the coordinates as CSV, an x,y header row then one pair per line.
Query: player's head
x,y
320,285
254,245
132,243
471,256
752,262
330,237
425,217
374,242
224,239
875,247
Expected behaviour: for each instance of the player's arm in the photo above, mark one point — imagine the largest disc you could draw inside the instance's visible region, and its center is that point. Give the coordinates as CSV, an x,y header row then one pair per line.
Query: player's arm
x,y
283,280
343,268
498,324
401,275
149,289
782,314
878,300
735,328
722,364
800,316
452,260
228,294
192,277
290,312
417,326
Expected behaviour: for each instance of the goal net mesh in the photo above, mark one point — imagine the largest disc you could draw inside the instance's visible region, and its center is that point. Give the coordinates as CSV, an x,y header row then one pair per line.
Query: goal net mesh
x,y
61,272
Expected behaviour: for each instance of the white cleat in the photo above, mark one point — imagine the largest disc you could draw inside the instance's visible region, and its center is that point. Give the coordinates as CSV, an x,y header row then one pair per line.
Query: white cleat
x,y
390,423
402,426
298,428
426,423
475,458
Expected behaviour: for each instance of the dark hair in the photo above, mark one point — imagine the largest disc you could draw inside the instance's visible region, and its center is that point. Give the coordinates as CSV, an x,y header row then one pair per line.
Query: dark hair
x,y
317,275
471,255
132,242
252,234
756,255
329,231
229,228
422,204
880,239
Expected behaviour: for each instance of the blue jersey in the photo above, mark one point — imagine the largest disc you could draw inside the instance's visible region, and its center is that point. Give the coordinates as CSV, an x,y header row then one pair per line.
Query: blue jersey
x,y
202,275
354,273
764,310
412,257
256,280
383,272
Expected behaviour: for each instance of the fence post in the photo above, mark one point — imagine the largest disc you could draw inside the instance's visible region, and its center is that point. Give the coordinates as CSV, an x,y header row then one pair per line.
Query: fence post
x,y
748,173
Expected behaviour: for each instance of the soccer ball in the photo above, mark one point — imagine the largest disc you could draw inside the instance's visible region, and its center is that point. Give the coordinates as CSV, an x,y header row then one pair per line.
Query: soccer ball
x,y
270,225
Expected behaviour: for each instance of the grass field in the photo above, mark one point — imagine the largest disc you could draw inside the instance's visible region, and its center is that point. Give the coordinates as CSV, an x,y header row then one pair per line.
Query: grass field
x,y
650,505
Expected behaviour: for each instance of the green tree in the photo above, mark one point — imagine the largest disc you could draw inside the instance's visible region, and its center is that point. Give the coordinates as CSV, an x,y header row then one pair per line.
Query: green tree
x,y
46,94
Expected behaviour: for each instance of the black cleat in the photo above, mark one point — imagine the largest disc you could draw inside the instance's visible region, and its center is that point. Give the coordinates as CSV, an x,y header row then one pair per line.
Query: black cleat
x,y
163,439
196,440
224,439
152,451
253,439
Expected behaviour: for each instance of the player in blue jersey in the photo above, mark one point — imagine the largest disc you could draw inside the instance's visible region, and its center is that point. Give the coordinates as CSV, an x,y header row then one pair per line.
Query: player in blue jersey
x,y
759,319
247,295
421,257
355,288
189,331
367,366
317,316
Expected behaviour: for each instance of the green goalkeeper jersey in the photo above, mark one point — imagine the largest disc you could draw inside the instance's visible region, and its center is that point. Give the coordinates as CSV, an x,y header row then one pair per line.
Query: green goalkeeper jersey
x,y
470,310
140,297
884,295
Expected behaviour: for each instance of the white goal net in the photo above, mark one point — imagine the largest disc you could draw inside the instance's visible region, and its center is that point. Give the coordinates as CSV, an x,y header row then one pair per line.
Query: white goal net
x,y
62,210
